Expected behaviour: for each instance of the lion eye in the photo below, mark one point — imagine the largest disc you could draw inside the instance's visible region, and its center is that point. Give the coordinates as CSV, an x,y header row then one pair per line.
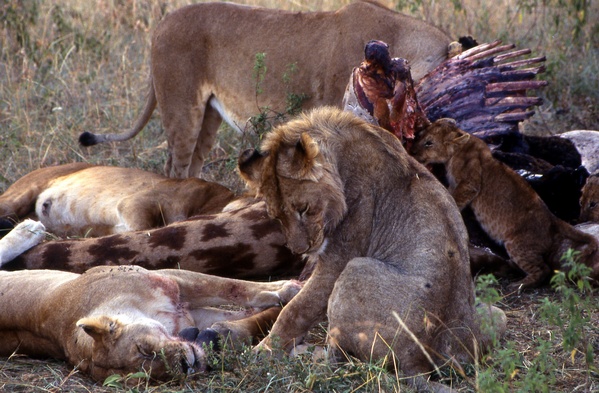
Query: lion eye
x,y
145,353
592,205
428,143
302,211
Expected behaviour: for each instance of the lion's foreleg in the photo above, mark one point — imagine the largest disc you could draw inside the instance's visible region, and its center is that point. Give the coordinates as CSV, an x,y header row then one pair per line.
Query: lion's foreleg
x,y
205,317
304,311
24,236
204,290
465,190
246,329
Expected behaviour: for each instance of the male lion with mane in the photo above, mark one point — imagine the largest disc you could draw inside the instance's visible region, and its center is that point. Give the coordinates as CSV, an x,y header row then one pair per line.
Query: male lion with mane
x,y
386,238
202,57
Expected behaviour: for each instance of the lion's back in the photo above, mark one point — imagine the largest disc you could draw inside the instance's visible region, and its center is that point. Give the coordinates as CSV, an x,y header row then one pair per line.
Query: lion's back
x,y
322,47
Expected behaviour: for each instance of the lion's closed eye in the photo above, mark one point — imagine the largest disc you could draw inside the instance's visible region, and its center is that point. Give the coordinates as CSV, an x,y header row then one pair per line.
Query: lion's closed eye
x,y
302,211
145,352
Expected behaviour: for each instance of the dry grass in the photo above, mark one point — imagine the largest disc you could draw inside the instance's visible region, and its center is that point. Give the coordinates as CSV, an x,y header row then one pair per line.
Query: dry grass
x,y
79,68
84,68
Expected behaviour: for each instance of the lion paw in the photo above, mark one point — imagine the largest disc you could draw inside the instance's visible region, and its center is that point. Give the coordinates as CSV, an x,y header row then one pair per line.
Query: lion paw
x,y
263,347
289,290
283,295
24,236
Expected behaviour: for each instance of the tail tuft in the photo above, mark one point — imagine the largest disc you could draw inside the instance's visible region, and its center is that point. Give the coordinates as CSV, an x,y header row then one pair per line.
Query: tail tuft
x,y
467,42
87,139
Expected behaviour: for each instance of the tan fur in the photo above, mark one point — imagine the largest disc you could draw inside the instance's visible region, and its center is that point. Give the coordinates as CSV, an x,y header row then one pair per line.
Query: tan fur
x,y
507,208
84,200
238,243
385,237
122,320
589,200
203,59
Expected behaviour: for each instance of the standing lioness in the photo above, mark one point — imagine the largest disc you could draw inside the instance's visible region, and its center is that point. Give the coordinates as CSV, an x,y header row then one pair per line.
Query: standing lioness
x,y
507,208
203,57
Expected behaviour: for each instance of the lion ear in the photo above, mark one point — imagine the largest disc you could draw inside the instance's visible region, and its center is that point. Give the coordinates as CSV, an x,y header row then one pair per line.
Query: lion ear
x,y
101,327
448,120
461,138
300,162
250,164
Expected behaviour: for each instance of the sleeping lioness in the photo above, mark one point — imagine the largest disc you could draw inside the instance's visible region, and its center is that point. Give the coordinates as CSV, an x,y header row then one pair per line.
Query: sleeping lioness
x,y
203,56
389,245
80,199
507,208
120,320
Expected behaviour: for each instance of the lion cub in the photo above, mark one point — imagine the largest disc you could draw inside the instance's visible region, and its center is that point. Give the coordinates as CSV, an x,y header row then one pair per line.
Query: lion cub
x,y
506,207
589,200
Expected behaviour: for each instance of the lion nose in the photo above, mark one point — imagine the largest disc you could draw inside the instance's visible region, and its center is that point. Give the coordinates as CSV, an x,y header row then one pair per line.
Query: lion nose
x,y
210,338
189,334
185,366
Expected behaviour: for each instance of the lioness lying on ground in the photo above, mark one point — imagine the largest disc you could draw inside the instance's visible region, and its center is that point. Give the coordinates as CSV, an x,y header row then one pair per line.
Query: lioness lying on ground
x,y
80,199
240,243
119,320
197,83
390,251
507,208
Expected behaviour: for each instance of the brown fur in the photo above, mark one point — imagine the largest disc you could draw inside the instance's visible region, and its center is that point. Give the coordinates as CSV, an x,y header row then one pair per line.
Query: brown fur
x,y
507,208
589,200
83,200
201,71
241,243
121,320
385,237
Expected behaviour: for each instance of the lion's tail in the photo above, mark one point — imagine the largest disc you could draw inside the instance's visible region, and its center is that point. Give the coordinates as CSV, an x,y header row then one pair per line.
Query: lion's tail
x,y
89,139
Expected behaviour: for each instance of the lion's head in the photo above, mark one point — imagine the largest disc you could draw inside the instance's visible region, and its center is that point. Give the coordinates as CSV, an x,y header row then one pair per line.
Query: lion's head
x,y
294,174
122,347
589,200
437,143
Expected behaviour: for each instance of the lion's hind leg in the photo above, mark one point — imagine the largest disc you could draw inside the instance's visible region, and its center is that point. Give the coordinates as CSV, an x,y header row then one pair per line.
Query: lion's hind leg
x,y
207,136
530,259
377,313
182,108
24,236
138,212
